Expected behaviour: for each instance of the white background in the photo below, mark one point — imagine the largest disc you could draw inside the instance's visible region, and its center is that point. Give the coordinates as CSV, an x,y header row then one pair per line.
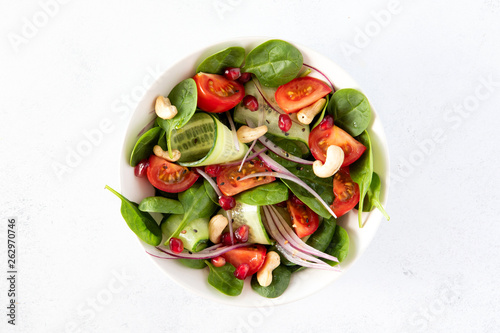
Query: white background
x,y
433,268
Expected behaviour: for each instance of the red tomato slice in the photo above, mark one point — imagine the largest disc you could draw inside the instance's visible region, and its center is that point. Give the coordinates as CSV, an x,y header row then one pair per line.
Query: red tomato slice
x,y
229,179
304,220
169,177
346,192
300,92
320,140
253,255
216,93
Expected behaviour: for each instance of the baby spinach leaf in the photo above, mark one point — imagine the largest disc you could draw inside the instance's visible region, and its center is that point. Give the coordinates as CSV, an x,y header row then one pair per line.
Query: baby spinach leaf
x,y
173,196
320,117
193,263
162,141
142,224
211,192
361,171
268,194
339,247
223,279
372,198
281,280
185,97
274,62
351,111
161,205
293,147
144,146
322,237
218,62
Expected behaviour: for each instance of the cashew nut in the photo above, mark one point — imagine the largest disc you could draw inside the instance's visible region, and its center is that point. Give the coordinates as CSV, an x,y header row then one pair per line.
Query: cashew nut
x,y
333,162
158,151
247,134
307,114
164,109
265,273
216,226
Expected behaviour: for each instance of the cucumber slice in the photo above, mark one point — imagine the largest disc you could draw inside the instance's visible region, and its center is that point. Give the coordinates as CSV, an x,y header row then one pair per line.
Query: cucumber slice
x,y
251,216
196,236
204,140
241,114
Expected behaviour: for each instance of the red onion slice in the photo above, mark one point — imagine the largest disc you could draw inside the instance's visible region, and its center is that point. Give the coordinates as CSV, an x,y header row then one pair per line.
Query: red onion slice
x,y
210,181
233,130
282,153
301,262
320,72
249,158
205,254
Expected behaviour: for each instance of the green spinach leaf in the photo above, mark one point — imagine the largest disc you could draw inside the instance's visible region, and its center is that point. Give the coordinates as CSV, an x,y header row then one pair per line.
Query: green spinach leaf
x,y
339,247
185,98
293,147
193,263
223,279
268,194
211,192
361,171
274,62
218,62
322,237
144,146
372,198
281,280
320,117
161,205
351,111
142,224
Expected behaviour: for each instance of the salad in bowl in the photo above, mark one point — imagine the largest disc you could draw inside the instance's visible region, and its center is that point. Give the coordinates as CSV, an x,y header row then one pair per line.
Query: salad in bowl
x,y
256,163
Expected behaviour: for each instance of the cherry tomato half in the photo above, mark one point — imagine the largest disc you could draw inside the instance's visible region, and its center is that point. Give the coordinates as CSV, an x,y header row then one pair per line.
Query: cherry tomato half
x,y
253,255
300,92
304,220
320,140
216,93
169,177
229,179
346,192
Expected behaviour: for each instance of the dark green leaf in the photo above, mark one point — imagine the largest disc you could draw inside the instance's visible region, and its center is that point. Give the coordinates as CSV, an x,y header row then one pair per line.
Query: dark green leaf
x,y
320,117
322,237
351,111
144,146
218,62
193,263
142,224
339,247
268,194
161,205
281,279
223,279
211,192
372,198
274,62
293,147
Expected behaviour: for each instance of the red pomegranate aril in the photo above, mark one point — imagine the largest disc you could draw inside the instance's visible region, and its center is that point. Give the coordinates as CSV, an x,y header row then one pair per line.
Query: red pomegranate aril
x,y
284,122
326,123
245,77
227,203
213,170
218,261
141,168
176,245
226,239
241,234
250,102
232,73
241,271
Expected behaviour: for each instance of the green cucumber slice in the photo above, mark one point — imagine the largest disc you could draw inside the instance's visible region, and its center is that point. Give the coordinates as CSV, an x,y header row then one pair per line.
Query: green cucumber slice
x,y
204,140
241,115
251,216
196,236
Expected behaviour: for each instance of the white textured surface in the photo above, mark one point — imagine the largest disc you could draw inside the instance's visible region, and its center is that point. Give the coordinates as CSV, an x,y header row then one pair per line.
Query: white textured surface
x,y
433,268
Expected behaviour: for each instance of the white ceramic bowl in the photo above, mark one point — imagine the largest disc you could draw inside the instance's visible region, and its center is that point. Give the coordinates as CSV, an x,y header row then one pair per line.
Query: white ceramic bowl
x,y
303,283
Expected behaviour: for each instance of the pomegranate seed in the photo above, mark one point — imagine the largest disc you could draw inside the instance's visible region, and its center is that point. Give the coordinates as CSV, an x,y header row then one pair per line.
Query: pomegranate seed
x,y
326,123
281,204
296,201
245,77
241,234
227,203
226,239
213,170
232,73
241,271
285,122
176,245
218,261
141,168
251,103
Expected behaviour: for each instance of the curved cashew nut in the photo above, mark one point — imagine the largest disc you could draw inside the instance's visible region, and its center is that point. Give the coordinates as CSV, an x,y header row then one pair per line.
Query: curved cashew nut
x,y
247,134
216,226
265,273
333,162
158,151
307,114
164,109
